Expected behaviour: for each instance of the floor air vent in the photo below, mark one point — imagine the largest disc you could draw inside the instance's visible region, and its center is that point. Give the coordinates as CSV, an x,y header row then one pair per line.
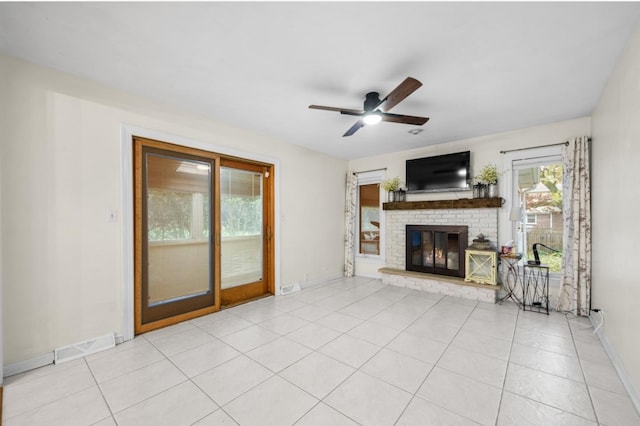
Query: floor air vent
x,y
88,347
291,288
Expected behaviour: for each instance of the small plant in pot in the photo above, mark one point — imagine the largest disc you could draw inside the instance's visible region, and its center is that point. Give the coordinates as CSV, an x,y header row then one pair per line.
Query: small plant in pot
x,y
489,176
392,186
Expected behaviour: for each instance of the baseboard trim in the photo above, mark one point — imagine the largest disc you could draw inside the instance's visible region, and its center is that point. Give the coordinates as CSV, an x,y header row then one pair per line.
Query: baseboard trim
x,y
617,364
308,284
27,364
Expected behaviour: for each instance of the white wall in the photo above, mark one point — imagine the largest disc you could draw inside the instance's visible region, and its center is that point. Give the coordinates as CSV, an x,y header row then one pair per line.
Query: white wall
x,y
615,202
61,170
484,149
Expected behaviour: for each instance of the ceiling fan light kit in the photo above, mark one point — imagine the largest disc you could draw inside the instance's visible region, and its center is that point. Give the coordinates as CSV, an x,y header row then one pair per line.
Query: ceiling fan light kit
x,y
372,118
376,110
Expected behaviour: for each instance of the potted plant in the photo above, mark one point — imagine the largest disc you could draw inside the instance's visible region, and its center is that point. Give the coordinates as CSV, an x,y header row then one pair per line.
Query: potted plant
x,y
392,186
489,176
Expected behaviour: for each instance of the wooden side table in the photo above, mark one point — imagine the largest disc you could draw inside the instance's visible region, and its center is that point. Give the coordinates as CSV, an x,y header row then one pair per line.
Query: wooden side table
x,y
535,288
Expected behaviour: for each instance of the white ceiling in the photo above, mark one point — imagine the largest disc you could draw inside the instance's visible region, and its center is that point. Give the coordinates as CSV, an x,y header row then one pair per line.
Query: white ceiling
x,y
486,67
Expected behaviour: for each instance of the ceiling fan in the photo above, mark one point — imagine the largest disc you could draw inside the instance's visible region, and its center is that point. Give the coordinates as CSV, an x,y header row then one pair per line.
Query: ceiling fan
x,y
375,109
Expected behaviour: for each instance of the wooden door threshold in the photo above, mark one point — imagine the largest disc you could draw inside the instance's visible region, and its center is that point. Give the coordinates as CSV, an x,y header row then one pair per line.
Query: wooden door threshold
x,y
242,302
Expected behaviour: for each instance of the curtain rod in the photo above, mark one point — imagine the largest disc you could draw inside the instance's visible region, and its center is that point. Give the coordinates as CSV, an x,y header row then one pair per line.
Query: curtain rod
x,y
533,147
566,143
372,170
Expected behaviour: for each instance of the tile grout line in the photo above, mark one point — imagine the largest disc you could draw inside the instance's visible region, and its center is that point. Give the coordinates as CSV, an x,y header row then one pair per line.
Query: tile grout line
x,y
504,381
415,394
86,362
551,374
313,350
243,353
356,370
189,379
586,384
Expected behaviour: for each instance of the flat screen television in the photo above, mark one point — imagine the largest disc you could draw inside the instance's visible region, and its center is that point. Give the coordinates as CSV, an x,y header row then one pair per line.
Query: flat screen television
x,y
441,173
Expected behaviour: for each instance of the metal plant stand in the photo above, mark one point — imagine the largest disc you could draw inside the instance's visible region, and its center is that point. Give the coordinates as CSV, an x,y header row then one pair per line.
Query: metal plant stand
x,y
512,277
535,294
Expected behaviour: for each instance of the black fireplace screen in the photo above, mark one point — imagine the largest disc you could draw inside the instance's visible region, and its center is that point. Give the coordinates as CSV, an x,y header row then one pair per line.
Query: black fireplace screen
x,y
436,249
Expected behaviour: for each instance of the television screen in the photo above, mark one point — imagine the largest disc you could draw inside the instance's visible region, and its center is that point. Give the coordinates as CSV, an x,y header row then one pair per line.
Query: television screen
x,y
449,172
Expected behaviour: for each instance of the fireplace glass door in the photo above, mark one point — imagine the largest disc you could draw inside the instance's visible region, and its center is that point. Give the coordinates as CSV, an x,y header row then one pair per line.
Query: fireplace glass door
x,y
436,249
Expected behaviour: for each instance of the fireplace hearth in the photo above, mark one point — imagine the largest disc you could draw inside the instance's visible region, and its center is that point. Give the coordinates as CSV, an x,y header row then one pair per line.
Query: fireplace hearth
x,y
436,249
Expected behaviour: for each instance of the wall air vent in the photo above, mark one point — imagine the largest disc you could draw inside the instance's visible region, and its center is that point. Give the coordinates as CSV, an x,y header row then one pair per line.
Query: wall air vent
x,y
88,347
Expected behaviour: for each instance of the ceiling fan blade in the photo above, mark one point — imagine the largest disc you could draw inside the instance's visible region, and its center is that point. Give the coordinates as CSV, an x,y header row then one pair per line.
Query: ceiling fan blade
x,y
354,128
404,89
406,119
341,110
352,112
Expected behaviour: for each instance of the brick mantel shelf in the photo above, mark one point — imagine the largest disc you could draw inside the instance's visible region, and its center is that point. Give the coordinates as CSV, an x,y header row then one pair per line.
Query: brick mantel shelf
x,y
462,203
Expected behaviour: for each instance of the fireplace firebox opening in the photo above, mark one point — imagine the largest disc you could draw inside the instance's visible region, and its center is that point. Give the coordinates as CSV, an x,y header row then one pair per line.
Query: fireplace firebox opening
x,y
436,249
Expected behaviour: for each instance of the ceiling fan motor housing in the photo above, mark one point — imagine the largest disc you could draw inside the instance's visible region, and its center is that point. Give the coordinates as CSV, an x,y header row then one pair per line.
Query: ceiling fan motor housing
x,y
372,101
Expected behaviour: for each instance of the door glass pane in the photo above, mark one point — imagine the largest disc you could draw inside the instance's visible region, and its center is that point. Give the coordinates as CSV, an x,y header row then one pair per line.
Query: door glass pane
x,y
453,255
540,190
416,248
178,244
440,251
241,207
427,248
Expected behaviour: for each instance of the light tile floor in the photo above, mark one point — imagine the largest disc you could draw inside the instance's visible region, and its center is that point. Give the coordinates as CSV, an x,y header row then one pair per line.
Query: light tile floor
x,y
347,352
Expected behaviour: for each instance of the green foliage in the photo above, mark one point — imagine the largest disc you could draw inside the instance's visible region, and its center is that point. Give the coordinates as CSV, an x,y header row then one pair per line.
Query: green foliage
x,y
169,215
240,216
391,184
488,174
551,177
553,260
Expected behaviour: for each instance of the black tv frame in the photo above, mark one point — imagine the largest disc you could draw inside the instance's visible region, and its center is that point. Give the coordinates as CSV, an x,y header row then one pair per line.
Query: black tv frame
x,y
443,165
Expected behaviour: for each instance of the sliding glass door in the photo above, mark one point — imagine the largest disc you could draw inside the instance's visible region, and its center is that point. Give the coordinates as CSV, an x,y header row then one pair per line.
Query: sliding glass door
x,y
203,226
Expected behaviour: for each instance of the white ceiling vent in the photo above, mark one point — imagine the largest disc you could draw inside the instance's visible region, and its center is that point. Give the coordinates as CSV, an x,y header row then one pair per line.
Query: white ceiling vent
x,y
88,347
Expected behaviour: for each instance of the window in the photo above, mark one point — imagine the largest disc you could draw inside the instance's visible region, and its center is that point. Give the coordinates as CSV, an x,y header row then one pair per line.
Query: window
x,y
531,219
369,236
369,218
537,207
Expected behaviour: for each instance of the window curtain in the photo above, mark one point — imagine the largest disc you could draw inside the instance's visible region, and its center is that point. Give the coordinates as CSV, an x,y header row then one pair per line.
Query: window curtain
x,y
575,290
350,224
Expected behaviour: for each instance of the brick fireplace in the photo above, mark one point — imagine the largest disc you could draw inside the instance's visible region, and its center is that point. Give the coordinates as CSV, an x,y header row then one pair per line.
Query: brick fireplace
x,y
477,215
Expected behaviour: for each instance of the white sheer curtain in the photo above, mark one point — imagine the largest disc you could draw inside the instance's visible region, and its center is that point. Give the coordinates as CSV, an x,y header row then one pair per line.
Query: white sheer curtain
x,y
575,290
350,223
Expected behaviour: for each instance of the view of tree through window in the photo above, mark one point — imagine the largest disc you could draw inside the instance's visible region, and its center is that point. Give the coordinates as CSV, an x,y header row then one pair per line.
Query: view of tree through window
x,y
543,213
170,215
240,215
